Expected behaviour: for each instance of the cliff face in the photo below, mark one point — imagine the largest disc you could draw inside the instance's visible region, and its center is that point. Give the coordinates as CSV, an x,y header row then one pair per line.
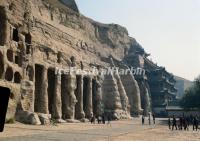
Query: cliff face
x,y
39,36
71,4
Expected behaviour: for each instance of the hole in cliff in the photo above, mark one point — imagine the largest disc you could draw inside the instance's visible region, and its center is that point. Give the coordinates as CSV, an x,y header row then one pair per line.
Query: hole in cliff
x,y
73,61
10,55
1,65
16,59
9,74
94,96
28,43
63,94
17,77
38,86
78,93
59,57
11,6
30,72
47,54
51,88
15,35
85,91
82,66
3,24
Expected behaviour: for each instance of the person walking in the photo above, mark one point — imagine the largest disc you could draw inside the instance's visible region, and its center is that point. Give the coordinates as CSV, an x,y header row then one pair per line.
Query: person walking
x,y
169,123
103,119
188,122
185,124
154,119
143,118
174,123
180,123
195,124
93,119
99,119
149,119
109,120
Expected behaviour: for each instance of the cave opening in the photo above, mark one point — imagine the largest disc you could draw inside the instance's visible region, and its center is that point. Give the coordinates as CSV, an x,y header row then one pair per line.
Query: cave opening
x,y
1,65
9,74
38,86
28,43
3,25
10,55
15,35
85,91
51,88
94,96
64,92
17,77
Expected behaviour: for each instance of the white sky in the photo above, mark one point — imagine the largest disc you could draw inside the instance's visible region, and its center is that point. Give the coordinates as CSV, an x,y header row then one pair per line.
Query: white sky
x,y
168,29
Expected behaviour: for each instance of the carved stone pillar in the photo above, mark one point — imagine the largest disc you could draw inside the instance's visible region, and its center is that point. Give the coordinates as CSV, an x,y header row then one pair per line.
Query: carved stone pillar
x,y
57,103
99,111
89,106
123,96
145,98
44,93
79,95
70,96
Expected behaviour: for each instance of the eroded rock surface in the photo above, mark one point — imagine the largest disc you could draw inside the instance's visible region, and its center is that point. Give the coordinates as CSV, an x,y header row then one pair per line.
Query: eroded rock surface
x,y
40,37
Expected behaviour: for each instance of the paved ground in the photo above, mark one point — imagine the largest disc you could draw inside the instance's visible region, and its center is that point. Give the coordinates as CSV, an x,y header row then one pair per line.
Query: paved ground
x,y
119,131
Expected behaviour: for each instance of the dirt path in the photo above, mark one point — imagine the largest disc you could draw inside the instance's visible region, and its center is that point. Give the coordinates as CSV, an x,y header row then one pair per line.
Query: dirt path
x,y
119,131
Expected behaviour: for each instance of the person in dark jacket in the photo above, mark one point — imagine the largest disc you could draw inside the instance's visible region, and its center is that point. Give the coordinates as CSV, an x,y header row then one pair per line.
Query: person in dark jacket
x,y
174,123
195,123
154,119
103,119
143,118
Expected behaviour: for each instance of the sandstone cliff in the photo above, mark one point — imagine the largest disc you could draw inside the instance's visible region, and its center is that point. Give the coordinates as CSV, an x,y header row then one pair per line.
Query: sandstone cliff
x,y
39,36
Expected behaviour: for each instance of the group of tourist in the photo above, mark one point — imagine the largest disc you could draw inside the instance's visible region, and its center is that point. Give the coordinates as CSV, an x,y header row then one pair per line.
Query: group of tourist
x,y
149,119
101,119
183,122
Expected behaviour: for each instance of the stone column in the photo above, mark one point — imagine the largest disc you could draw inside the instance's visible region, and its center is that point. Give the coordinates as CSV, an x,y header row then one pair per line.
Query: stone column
x,y
145,99
123,96
57,103
44,93
89,106
79,95
70,96
99,111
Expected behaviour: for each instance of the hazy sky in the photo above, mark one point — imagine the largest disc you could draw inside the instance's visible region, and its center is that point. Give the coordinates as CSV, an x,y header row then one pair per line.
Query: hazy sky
x,y
168,29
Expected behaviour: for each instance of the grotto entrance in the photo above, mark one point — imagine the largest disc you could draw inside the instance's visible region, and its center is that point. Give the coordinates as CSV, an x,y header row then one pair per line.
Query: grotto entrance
x,y
17,77
9,74
51,88
63,95
10,55
38,86
1,65
15,35
28,43
85,91
3,18
94,97
79,113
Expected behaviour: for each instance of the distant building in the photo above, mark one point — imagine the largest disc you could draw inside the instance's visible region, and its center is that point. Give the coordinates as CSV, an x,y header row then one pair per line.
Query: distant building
x,y
182,85
163,91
